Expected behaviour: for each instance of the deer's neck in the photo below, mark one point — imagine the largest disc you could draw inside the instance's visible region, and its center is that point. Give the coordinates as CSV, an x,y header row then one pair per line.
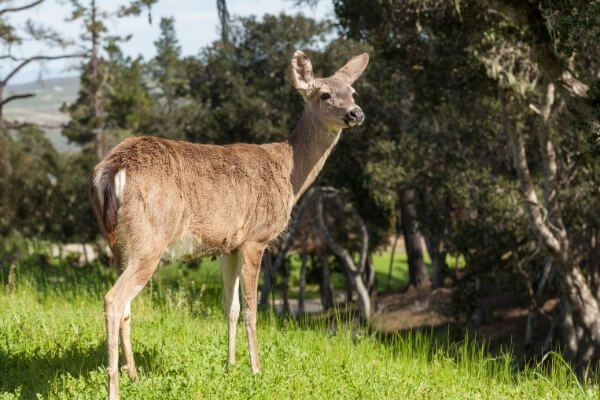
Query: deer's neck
x,y
311,143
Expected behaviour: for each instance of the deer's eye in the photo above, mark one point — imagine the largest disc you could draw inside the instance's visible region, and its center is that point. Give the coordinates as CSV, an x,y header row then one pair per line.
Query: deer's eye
x,y
325,96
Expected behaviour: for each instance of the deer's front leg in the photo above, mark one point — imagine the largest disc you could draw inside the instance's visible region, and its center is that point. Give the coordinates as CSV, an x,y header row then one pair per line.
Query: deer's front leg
x,y
252,256
230,273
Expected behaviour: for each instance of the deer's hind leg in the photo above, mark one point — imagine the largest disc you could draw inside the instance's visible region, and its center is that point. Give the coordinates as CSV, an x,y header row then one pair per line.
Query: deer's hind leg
x,y
125,333
116,306
230,273
125,325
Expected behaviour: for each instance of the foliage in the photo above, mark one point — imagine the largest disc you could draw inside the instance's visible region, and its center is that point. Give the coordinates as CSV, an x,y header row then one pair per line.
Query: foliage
x,y
44,193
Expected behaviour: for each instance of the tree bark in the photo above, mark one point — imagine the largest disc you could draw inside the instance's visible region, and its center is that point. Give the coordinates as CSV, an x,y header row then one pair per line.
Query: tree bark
x,y
535,302
438,260
580,310
349,286
326,289
286,244
21,8
285,286
346,259
302,283
412,239
595,262
389,282
98,82
267,270
527,14
482,312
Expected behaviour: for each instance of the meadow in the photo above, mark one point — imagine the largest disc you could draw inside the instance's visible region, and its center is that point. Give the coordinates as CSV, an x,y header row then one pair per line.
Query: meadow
x,y
52,346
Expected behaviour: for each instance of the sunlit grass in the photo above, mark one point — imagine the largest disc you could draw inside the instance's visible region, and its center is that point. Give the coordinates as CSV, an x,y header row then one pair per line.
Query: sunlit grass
x,y
52,345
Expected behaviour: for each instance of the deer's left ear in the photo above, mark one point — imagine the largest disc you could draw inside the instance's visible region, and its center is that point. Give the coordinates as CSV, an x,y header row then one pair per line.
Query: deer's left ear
x,y
353,69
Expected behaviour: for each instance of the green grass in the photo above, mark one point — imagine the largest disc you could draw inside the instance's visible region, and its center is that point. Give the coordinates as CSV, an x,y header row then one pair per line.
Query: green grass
x,y
52,346
381,261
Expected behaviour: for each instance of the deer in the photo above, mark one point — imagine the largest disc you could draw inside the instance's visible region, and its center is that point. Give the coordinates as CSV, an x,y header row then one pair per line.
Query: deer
x,y
151,194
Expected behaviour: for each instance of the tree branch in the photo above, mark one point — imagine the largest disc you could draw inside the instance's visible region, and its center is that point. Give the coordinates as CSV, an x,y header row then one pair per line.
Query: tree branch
x,y
346,258
20,125
37,58
527,188
549,159
15,97
25,7
364,243
290,234
527,14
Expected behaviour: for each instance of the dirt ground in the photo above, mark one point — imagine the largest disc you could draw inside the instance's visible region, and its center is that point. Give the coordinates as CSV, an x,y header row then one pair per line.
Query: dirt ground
x,y
426,309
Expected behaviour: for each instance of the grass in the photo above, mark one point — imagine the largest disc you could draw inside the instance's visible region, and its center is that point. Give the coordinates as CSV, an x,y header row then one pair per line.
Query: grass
x,y
52,346
381,261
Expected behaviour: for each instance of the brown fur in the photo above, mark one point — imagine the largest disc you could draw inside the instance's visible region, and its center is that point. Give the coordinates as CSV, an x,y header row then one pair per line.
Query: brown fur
x,y
224,195
230,200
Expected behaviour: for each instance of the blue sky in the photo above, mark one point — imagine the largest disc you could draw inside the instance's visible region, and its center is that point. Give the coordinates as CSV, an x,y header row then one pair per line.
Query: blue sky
x,y
196,23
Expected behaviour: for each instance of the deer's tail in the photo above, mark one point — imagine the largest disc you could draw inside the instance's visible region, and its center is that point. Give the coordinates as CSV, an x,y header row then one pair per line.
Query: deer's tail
x,y
106,187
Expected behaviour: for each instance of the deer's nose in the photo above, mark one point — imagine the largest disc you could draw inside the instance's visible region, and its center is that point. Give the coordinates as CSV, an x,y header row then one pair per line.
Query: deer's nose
x,y
355,115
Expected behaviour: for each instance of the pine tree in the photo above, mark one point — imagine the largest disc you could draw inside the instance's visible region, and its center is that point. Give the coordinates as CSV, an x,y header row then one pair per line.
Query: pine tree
x,y
88,112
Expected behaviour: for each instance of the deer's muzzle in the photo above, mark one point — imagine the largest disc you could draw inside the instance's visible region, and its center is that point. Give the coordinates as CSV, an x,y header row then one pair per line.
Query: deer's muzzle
x,y
354,117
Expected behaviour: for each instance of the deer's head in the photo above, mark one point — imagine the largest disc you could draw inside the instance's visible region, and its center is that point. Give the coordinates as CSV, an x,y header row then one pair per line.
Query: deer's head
x,y
331,100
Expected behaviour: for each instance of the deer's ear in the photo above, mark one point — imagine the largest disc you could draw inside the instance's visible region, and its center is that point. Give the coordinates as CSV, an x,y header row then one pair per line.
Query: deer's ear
x,y
353,69
301,73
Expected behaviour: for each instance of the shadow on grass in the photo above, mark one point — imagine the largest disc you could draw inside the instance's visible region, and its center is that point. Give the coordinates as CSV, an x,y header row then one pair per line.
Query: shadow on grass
x,y
29,375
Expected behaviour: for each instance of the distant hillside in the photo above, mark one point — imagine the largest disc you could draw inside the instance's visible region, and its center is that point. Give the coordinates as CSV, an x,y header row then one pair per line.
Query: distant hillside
x,y
44,107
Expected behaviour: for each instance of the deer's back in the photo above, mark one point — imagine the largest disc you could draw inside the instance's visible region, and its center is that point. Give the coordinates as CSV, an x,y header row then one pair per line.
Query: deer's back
x,y
216,196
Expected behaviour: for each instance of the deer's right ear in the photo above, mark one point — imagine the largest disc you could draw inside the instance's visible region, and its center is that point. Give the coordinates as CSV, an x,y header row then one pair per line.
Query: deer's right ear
x,y
301,73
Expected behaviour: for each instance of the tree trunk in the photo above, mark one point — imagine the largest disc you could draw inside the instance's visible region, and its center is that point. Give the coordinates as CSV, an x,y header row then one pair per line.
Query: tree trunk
x,y
372,283
1,106
85,254
536,300
98,81
267,269
326,289
412,239
285,286
348,284
580,310
580,324
345,257
595,262
389,282
302,283
286,244
482,312
438,260
370,274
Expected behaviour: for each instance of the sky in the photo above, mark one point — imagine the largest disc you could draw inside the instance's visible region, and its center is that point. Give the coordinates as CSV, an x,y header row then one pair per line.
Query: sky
x,y
196,23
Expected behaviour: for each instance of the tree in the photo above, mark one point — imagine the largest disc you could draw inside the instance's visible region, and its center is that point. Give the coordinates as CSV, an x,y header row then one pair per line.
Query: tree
x,y
167,72
168,83
457,58
412,239
43,193
11,37
88,112
224,19
361,273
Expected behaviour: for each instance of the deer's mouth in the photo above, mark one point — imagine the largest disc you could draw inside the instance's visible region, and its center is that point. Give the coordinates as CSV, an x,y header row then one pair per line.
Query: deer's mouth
x,y
351,122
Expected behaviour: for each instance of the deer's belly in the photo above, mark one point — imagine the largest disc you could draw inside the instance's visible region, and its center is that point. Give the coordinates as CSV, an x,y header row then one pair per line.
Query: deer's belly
x,y
189,245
